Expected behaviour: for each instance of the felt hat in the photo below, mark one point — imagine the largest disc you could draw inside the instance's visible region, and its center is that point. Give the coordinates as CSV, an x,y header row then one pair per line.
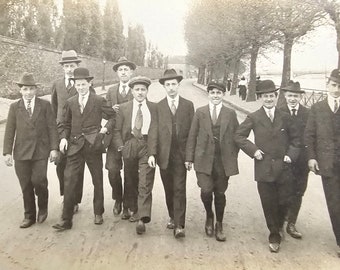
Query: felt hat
x,y
27,79
335,76
293,87
69,57
216,85
81,73
170,74
139,80
266,86
123,61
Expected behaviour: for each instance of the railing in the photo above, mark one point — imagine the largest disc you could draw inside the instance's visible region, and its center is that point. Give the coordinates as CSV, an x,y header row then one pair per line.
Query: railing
x,y
312,96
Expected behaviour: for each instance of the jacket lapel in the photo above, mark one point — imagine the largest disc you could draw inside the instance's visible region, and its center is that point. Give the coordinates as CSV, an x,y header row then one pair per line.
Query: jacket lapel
x,y
180,113
224,121
129,112
24,112
89,105
264,119
36,111
207,121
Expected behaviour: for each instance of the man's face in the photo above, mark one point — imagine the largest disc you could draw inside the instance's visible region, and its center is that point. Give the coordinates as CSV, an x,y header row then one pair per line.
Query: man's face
x,y
69,68
215,96
293,99
333,89
171,87
82,86
269,100
139,92
28,91
124,73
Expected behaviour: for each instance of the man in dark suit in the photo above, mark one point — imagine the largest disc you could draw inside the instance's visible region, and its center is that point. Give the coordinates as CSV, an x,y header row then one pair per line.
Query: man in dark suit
x,y
300,170
115,96
322,138
32,130
62,89
82,137
275,146
212,150
135,136
174,120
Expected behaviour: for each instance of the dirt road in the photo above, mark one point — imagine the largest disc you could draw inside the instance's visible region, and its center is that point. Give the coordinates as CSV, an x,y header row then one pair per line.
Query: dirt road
x,y
115,245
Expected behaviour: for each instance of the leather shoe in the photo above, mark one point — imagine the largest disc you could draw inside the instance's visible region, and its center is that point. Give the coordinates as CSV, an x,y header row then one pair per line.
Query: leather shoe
x,y
291,230
179,232
75,208
140,228
134,217
98,219
274,247
209,226
63,225
171,224
27,223
42,215
219,235
126,214
117,208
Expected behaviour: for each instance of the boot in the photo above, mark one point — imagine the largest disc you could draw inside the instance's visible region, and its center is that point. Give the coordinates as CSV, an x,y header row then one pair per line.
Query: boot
x,y
219,235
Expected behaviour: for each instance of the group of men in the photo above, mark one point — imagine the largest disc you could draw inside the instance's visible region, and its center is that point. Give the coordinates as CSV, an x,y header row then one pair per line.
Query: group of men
x,y
288,142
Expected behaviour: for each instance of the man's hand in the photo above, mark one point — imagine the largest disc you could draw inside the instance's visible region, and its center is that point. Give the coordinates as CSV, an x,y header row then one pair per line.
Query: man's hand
x,y
63,145
188,165
258,155
313,166
9,160
103,130
287,159
54,155
152,162
116,108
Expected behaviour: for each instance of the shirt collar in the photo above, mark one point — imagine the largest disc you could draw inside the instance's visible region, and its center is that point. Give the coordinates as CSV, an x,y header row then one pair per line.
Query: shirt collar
x,y
218,107
296,107
84,96
176,99
272,110
136,103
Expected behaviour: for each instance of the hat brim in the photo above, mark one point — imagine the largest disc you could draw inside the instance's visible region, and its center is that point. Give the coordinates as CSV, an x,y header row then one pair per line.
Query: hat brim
x,y
334,79
82,78
69,61
131,85
26,84
292,90
127,63
179,78
267,91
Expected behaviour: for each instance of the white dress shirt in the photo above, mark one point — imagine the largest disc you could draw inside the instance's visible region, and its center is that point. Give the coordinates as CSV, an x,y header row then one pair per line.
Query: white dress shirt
x,y
176,99
67,81
331,100
32,103
270,111
218,109
291,108
127,88
146,116
83,99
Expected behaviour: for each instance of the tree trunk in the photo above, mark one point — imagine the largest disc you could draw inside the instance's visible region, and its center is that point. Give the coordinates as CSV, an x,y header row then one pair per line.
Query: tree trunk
x,y
235,76
201,73
252,80
286,70
337,27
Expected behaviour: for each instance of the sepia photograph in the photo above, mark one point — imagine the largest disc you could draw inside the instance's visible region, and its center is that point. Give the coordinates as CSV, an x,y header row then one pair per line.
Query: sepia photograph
x,y
170,135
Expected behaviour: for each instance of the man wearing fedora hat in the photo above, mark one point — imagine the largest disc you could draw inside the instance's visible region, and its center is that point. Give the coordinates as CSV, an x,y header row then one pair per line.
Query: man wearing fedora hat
x,y
299,114
32,130
276,145
82,136
135,133
117,95
62,89
322,138
174,120
213,151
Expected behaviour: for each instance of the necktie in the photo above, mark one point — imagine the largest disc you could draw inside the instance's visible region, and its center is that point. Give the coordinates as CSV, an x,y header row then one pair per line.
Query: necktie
x,y
214,116
137,130
271,116
82,103
69,85
293,112
123,91
173,107
336,105
29,108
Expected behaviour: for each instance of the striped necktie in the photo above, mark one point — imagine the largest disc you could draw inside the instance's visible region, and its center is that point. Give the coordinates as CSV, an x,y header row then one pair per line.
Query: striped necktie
x,y
336,105
29,108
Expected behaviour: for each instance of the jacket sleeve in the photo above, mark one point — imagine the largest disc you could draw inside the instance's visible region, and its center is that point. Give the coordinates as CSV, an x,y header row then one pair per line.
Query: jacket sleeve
x,y
54,99
65,128
10,131
192,139
52,128
294,140
153,133
241,137
108,114
108,97
310,135
117,130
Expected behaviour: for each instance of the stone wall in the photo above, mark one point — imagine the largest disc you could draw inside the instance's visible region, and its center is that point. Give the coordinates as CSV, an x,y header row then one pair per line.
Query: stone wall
x,y
17,56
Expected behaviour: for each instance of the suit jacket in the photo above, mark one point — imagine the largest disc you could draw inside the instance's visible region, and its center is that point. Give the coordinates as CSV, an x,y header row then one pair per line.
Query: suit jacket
x,y
300,120
33,138
201,146
275,139
78,127
111,95
184,115
122,130
319,137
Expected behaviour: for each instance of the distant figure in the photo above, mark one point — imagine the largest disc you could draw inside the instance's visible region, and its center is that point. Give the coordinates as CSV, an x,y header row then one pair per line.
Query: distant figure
x,y
242,85
258,80
229,84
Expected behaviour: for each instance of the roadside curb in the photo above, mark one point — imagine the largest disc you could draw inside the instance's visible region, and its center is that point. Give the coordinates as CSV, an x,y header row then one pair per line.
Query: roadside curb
x,y
227,102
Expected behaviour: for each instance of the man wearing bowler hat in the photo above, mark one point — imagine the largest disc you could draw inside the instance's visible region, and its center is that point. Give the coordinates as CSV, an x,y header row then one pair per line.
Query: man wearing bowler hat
x,y
212,150
82,137
300,170
62,89
31,137
276,145
135,134
322,138
174,120
117,95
